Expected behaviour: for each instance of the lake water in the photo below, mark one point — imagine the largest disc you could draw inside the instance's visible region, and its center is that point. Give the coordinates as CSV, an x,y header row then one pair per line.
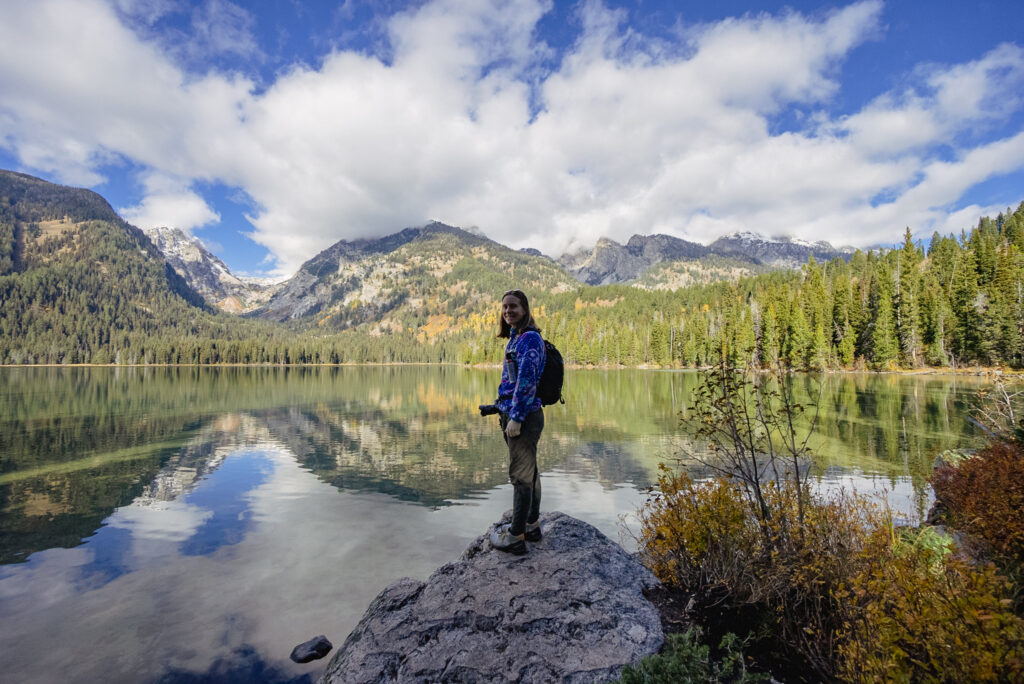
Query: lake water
x,y
194,524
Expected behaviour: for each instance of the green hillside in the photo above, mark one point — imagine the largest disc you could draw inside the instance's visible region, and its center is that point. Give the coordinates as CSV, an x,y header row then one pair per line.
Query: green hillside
x,y
80,285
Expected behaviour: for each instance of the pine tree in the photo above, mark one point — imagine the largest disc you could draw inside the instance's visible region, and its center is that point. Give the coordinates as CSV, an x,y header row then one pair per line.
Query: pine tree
x,y
884,345
968,305
907,308
847,346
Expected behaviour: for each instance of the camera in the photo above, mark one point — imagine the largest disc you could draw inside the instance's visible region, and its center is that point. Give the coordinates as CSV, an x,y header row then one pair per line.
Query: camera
x,y
488,409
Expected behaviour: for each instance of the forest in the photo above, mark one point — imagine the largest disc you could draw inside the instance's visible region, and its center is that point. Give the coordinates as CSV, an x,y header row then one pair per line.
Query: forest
x,y
79,285
958,302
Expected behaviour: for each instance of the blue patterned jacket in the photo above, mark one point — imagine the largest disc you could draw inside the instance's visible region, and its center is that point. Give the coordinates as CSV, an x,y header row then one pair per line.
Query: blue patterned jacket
x,y
520,373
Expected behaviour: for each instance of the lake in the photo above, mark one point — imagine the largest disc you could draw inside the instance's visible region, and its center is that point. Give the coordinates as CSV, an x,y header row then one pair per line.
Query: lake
x,y
194,524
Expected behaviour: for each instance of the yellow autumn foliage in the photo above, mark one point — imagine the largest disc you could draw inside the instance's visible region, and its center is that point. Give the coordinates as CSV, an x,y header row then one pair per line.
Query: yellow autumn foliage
x,y
832,583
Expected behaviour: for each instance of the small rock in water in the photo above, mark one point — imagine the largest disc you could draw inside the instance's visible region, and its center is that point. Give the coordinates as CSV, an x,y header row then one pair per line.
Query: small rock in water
x,y
314,649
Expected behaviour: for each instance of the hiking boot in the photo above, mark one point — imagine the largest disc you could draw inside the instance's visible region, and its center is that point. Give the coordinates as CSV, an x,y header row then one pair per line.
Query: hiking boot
x,y
532,533
502,540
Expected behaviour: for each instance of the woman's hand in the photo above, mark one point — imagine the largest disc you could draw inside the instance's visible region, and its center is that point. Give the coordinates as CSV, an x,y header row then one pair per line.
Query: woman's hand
x,y
512,429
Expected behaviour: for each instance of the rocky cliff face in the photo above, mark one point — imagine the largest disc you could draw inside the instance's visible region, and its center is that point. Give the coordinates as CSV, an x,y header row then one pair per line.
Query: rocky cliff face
x,y
208,275
776,252
610,262
571,610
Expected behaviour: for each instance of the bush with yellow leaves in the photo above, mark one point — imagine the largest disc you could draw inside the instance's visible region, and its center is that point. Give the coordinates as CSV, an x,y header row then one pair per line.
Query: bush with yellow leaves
x,y
921,614
826,585
779,578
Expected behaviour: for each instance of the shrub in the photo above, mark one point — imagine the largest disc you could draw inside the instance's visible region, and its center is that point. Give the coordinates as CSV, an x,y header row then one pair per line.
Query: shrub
x,y
755,548
984,496
696,535
829,585
705,539
686,659
919,614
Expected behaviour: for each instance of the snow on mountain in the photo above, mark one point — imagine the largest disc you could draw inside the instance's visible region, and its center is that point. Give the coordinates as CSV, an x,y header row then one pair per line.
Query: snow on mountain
x,y
777,252
610,262
208,275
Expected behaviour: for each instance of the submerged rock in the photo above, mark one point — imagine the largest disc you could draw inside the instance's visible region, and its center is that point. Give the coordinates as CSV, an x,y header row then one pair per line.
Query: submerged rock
x,y
570,610
314,649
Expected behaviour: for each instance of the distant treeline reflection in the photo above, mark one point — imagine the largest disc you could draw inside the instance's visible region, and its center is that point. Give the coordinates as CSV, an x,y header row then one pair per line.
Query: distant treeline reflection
x,y
77,443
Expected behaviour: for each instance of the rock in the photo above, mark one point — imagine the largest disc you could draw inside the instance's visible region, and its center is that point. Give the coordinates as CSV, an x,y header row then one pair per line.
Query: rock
x,y
953,457
570,610
314,649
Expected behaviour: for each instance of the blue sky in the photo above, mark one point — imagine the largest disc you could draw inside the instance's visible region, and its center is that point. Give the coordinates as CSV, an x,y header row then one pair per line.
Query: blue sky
x,y
272,129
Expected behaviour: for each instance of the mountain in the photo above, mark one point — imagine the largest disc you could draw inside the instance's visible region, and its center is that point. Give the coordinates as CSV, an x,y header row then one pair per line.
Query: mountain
x,y
672,275
682,262
79,284
776,252
610,262
429,279
208,275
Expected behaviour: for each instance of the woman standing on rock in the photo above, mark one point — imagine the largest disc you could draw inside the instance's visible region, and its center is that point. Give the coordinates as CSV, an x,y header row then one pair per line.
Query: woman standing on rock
x,y
522,419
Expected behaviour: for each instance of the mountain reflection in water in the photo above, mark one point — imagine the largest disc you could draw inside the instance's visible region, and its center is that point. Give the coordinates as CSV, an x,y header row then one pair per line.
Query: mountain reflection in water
x,y
175,524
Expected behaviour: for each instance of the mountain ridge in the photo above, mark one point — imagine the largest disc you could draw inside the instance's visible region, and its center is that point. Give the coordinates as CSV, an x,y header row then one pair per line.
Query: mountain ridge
x,y
610,262
74,274
351,281
207,274
78,284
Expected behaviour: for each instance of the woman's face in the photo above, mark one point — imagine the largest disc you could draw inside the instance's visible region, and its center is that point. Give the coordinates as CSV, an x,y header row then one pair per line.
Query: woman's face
x,y
511,310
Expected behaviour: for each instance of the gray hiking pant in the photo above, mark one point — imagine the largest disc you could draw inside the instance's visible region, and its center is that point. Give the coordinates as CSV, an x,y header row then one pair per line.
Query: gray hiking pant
x,y
522,470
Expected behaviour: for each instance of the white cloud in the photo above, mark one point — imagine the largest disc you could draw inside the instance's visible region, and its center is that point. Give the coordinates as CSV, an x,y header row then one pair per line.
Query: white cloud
x,y
990,86
170,202
221,27
461,123
146,12
947,102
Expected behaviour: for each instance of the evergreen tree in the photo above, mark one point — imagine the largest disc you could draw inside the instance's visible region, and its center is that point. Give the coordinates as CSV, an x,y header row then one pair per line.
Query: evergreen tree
x,y
884,345
769,343
798,338
847,346
907,308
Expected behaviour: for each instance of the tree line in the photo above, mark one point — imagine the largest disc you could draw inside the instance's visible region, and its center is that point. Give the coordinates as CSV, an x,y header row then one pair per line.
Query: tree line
x,y
957,302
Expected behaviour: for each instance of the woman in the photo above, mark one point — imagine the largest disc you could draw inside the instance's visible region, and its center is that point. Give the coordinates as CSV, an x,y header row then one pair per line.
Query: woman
x,y
522,420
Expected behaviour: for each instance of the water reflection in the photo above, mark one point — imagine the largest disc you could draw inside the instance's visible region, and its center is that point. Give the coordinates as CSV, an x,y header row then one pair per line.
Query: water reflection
x,y
78,444
169,524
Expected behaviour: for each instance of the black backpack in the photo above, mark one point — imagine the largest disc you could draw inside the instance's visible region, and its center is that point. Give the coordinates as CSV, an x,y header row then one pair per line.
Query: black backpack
x,y
549,387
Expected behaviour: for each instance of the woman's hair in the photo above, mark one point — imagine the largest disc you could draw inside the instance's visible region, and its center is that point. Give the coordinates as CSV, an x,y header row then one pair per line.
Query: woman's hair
x,y
504,329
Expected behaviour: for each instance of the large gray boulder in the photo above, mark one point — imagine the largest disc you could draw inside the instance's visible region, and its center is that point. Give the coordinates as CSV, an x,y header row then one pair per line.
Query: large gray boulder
x,y
570,610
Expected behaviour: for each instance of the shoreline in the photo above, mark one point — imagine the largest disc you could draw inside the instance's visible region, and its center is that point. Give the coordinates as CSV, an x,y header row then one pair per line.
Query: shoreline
x,y
974,371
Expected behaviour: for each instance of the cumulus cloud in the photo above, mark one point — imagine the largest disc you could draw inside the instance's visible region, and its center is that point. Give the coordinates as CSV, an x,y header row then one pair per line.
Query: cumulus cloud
x,y
947,103
176,207
169,201
468,118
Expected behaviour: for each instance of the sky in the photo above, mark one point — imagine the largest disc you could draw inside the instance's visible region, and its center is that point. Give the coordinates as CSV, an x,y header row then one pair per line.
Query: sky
x,y
270,130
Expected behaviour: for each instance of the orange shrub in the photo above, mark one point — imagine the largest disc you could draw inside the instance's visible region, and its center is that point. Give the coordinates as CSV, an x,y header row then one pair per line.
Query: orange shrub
x,y
832,587
985,497
695,534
